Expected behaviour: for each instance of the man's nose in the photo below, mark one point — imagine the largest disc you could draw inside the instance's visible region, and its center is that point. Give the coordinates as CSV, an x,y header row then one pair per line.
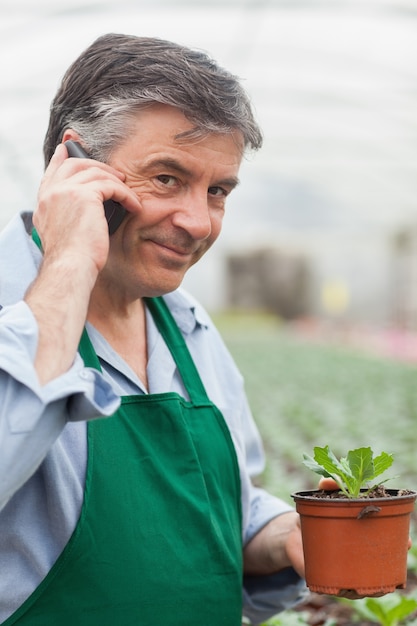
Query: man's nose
x,y
193,215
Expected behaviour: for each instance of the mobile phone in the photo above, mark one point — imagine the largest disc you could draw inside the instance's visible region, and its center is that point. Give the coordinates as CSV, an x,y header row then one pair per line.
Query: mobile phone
x,y
113,211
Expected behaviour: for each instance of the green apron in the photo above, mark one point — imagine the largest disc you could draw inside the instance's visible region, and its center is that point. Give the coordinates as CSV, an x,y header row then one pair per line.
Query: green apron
x,y
158,541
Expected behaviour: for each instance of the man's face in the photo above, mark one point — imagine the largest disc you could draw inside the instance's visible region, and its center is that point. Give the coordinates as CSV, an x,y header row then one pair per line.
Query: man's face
x,y
182,187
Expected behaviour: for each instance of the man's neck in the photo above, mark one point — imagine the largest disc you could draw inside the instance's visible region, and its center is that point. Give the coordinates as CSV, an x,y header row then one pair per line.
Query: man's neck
x,y
124,327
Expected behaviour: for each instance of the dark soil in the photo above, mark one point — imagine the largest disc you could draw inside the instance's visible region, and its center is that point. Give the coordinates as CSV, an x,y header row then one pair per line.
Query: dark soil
x,y
376,492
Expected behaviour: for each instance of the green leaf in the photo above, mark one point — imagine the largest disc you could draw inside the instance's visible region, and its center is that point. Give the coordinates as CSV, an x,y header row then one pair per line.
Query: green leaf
x,y
388,610
382,463
391,609
326,458
360,463
315,467
361,466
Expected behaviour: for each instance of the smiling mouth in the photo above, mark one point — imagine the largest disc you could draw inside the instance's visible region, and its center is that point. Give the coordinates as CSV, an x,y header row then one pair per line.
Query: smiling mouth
x,y
173,249
172,255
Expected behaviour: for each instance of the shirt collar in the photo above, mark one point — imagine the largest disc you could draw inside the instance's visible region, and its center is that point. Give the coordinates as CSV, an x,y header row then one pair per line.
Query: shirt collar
x,y
187,312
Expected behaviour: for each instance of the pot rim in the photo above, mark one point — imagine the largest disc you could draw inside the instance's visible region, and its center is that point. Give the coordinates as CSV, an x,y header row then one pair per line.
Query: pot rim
x,y
308,495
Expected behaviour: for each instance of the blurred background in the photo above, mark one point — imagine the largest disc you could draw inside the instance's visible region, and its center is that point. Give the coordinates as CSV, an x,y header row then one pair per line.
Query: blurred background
x,y
313,282
324,224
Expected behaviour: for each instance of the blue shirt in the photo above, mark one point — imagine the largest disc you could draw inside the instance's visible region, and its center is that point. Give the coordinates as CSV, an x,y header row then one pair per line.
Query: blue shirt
x,y
43,431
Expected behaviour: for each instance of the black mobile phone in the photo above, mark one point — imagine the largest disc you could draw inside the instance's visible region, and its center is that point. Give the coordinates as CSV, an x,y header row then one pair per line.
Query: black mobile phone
x,y
113,211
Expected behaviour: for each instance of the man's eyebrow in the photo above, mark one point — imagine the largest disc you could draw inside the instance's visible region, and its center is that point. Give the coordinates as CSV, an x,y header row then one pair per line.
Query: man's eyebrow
x,y
169,164
174,166
228,182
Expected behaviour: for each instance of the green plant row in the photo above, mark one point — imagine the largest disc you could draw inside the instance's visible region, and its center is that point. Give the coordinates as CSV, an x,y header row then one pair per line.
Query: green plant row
x,y
390,610
304,395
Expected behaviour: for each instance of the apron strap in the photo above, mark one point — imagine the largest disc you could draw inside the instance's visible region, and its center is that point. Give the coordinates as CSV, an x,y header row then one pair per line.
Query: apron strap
x,y
87,352
36,238
175,341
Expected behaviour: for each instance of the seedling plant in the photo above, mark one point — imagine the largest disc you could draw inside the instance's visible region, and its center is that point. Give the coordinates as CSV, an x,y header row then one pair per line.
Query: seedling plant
x,y
352,473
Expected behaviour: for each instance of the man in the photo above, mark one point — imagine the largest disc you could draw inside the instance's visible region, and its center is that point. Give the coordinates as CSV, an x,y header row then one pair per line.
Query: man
x,y
126,442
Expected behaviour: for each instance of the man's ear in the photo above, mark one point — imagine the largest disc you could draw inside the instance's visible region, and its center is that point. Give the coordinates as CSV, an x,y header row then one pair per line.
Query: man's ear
x,y
69,133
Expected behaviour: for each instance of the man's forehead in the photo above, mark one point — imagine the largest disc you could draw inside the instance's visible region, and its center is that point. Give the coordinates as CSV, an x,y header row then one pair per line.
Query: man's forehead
x,y
184,130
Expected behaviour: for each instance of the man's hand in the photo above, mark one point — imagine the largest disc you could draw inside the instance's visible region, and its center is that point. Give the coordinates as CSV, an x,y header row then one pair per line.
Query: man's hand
x,y
71,223
276,546
70,216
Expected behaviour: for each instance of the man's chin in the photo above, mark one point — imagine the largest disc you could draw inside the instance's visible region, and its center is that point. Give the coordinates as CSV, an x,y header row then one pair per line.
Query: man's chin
x,y
162,289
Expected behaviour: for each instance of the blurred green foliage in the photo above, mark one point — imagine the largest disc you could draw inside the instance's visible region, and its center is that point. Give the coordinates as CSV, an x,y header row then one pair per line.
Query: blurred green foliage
x,y
305,394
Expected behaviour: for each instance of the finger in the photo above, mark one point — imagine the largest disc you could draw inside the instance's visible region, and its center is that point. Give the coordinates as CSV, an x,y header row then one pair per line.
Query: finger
x,y
294,550
58,158
126,197
97,187
328,484
85,161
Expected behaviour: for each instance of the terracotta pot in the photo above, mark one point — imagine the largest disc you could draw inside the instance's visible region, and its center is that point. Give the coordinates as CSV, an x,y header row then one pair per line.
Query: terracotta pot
x,y
355,545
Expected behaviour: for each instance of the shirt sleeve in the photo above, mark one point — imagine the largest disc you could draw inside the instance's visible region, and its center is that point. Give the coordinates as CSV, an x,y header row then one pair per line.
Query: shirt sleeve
x,y
265,596
32,416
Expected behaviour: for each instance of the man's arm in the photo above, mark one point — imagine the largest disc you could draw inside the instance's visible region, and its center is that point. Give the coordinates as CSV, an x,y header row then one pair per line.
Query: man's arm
x,y
43,383
59,300
32,416
75,246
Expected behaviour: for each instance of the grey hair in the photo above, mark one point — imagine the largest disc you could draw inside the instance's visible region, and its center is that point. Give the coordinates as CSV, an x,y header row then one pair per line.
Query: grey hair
x,y
118,75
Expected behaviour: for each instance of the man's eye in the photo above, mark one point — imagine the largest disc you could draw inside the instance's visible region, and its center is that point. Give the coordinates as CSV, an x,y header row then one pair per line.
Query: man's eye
x,y
167,179
217,191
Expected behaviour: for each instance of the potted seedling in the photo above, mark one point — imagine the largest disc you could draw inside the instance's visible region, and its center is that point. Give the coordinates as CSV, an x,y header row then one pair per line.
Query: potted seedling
x,y
355,537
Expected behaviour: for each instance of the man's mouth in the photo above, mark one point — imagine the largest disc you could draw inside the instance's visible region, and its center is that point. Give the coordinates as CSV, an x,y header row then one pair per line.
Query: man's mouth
x,y
176,248
174,252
